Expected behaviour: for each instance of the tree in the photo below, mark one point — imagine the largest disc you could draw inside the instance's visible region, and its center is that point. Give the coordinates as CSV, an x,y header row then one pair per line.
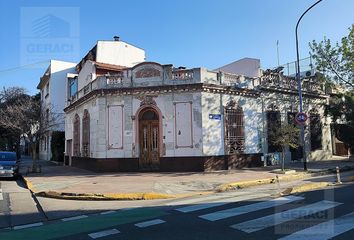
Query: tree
x,y
20,117
341,109
335,62
283,137
15,111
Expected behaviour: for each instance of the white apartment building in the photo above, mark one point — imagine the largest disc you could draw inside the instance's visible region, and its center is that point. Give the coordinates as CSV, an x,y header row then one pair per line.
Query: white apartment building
x,y
52,87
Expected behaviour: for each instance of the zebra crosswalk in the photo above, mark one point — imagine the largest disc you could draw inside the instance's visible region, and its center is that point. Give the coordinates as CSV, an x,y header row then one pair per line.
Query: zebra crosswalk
x,y
281,217
291,209
231,212
237,215
215,202
325,230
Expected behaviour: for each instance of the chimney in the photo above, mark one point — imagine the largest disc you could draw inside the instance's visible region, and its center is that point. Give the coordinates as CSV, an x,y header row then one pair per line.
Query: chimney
x,y
116,38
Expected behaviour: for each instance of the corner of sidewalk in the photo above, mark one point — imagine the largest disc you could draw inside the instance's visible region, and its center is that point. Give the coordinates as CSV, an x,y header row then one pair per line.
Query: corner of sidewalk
x,y
151,195
286,177
144,195
107,196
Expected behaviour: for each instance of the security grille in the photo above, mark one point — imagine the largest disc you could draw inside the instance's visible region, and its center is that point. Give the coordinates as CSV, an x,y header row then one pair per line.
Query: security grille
x,y
76,134
86,134
234,130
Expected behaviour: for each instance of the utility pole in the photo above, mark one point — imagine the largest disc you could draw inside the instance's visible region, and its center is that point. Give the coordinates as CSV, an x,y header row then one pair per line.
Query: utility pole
x,y
302,127
278,52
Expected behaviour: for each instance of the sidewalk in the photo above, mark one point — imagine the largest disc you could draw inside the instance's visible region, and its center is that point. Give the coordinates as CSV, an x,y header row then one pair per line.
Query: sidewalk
x,y
64,179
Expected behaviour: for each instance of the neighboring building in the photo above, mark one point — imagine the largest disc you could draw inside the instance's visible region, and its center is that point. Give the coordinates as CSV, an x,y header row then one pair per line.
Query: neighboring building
x,y
125,114
279,95
249,67
52,87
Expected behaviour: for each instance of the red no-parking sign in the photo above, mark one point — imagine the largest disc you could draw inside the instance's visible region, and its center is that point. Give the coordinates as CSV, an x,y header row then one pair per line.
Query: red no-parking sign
x,y
301,118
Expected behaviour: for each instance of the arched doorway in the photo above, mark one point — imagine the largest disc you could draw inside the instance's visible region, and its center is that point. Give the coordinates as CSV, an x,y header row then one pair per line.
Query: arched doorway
x,y
149,139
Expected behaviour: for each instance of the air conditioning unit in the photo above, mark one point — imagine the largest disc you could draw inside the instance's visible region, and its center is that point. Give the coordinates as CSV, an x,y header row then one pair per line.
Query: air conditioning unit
x,y
310,73
305,74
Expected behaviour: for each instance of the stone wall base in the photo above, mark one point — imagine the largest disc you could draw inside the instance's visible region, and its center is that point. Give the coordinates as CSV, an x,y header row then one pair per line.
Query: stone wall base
x,y
170,164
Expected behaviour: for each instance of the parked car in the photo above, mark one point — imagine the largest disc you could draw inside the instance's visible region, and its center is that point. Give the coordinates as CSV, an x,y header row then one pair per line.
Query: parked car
x,y
8,164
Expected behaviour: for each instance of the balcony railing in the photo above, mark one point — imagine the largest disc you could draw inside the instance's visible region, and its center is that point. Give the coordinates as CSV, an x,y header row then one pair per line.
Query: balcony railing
x,y
182,74
231,79
114,79
280,81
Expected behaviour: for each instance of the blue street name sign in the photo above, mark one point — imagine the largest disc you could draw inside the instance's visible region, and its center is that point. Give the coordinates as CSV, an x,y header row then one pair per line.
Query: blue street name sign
x,y
215,116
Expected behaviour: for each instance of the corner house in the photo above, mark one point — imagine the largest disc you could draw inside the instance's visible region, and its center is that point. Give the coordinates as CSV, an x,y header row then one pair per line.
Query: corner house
x,y
126,114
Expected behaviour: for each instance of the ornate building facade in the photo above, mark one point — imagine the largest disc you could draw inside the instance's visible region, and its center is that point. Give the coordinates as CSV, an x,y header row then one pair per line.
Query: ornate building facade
x,y
142,116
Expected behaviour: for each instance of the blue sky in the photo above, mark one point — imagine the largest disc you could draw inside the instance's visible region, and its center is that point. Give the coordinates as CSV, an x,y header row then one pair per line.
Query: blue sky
x,y
189,33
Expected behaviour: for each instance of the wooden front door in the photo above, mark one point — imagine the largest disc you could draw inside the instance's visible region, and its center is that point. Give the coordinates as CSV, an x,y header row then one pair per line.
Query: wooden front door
x,y
149,138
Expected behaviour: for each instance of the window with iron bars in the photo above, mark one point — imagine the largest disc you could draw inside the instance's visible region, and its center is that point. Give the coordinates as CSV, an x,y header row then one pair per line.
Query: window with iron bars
x,y
76,136
86,134
234,129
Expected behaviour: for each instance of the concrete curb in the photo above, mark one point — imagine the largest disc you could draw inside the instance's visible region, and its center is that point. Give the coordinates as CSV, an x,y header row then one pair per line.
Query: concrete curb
x,y
113,196
106,196
29,185
154,195
252,183
306,187
287,177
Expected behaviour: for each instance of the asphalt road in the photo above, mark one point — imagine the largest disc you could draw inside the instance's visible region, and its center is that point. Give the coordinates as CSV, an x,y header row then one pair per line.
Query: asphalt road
x,y
17,207
323,214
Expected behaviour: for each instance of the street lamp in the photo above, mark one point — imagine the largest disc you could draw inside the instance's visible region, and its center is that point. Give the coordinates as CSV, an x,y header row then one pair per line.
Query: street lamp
x,y
299,85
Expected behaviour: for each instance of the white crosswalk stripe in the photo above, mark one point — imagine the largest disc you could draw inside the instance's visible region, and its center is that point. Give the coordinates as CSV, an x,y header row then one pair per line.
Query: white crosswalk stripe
x,y
104,233
204,199
325,230
249,208
149,223
281,217
1,197
74,218
18,227
219,202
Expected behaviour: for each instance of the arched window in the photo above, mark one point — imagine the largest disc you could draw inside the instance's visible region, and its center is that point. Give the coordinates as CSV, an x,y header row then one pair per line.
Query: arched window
x,y
86,134
234,129
76,136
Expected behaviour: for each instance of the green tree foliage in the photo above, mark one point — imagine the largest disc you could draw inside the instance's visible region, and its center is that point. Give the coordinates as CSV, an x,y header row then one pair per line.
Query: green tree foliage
x,y
283,137
336,64
335,61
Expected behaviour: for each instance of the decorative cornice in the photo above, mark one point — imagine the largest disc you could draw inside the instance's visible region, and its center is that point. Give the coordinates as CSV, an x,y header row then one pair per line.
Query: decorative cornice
x,y
147,100
155,90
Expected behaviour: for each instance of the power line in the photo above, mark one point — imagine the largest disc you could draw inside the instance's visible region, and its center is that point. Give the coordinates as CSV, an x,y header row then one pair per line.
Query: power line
x,y
23,66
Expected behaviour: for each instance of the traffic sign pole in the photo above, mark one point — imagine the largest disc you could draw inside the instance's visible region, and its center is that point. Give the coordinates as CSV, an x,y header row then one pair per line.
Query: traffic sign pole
x,y
299,81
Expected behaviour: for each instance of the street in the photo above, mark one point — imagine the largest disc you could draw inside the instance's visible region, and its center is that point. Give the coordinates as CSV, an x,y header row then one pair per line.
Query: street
x,y
321,214
17,207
